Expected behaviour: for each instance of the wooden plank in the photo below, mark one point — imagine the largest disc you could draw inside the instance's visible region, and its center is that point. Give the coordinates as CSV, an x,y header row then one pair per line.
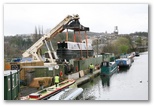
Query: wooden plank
x,y
81,73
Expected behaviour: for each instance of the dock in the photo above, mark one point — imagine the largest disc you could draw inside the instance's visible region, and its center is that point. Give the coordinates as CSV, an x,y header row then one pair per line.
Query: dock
x,y
87,77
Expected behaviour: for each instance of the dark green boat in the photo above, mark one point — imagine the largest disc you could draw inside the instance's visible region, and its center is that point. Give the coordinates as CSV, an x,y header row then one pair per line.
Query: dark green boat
x,y
108,68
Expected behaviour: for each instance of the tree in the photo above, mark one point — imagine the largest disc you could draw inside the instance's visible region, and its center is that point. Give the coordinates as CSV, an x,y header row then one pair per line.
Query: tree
x,y
123,48
119,46
139,41
131,43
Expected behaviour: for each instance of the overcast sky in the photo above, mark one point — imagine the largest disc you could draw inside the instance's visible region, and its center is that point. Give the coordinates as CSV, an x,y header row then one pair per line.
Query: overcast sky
x,y
22,18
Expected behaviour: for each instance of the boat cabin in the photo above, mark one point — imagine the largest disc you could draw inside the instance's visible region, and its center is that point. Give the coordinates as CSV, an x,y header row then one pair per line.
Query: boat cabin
x,y
71,50
106,64
108,68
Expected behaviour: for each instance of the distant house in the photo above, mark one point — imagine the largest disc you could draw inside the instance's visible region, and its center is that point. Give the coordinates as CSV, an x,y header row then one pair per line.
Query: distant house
x,y
88,40
28,36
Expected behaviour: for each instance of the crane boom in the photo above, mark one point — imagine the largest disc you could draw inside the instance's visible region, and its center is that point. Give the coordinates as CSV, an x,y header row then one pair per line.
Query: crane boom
x,y
34,50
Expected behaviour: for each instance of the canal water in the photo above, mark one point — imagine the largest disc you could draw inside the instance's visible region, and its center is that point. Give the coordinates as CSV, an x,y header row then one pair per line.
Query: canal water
x,y
126,84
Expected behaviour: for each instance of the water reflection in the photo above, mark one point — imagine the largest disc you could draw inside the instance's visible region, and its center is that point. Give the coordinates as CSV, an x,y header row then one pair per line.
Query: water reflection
x,y
90,98
105,81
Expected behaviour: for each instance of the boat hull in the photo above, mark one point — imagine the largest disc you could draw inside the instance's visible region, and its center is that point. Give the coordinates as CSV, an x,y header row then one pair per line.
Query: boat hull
x,y
71,50
71,54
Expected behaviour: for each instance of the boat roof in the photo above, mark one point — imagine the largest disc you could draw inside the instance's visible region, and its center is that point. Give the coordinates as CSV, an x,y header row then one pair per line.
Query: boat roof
x,y
122,59
7,72
112,63
66,94
107,53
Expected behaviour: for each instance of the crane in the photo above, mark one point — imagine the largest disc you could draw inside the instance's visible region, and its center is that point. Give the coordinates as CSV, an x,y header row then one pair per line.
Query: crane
x,y
34,50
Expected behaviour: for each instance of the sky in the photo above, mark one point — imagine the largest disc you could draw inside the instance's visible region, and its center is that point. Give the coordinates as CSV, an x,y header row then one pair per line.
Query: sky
x,y
99,17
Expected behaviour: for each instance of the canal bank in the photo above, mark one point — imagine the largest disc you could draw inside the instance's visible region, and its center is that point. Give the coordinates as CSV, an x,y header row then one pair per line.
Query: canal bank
x,y
87,78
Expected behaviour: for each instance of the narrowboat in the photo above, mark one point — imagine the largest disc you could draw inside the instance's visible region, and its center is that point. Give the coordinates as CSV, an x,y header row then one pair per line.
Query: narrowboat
x,y
124,61
71,50
50,91
108,68
131,57
133,54
137,54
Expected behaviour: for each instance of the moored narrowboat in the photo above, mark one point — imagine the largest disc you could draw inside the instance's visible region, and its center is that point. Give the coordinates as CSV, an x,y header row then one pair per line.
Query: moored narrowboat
x,y
131,57
124,61
50,91
108,68
137,54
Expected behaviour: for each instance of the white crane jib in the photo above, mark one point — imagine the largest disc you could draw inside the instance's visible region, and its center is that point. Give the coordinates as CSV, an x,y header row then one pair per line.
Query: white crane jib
x,y
34,50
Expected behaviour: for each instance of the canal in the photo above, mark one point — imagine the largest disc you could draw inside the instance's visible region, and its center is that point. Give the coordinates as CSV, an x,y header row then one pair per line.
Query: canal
x,y
126,84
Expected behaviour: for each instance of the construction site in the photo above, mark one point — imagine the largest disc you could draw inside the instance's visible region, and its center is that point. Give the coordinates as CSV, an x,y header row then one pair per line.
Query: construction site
x,y
75,62
70,61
